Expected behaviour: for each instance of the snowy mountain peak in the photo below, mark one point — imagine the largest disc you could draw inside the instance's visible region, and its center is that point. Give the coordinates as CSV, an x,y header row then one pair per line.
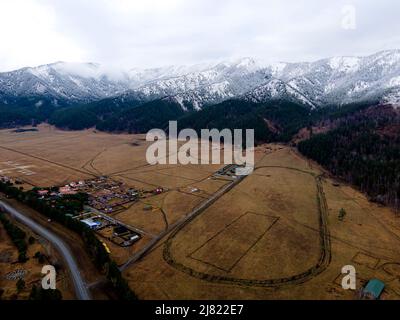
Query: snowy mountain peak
x,y
334,80
345,64
247,63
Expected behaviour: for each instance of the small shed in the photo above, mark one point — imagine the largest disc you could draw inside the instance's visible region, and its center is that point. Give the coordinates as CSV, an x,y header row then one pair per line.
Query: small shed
x,y
374,289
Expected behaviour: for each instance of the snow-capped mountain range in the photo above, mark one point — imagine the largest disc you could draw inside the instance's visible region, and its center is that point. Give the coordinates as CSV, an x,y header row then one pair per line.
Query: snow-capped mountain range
x,y
346,79
336,81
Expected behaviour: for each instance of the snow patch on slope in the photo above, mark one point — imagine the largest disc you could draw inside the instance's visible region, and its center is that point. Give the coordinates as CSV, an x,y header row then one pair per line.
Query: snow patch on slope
x,y
345,64
277,89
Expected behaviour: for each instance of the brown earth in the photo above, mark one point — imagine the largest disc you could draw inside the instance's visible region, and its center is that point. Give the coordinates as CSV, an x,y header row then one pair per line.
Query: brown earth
x,y
276,235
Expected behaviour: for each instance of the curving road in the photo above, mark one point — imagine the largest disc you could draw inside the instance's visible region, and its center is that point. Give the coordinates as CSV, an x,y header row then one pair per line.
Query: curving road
x,y
82,292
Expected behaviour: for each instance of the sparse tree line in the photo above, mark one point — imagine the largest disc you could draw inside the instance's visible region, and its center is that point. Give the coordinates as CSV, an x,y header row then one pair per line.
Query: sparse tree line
x,y
18,237
38,293
94,246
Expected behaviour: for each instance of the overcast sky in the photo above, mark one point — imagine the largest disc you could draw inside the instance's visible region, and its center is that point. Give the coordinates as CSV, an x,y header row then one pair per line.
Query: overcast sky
x,y
145,33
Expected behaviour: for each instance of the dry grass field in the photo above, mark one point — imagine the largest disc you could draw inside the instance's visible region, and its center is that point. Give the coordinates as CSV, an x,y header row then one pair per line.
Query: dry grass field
x,y
262,241
275,235
50,157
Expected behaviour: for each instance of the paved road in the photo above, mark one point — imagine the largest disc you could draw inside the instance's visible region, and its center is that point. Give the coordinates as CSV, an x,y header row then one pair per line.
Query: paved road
x,y
82,292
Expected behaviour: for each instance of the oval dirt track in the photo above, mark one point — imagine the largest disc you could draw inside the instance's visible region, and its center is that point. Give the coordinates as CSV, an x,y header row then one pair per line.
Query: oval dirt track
x,y
322,264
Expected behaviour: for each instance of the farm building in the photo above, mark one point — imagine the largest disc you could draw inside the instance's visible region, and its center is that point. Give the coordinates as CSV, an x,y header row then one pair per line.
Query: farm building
x,y
373,290
91,223
67,190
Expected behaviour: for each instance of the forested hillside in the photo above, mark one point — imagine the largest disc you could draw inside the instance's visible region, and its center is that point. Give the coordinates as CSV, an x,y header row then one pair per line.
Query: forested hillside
x,y
364,150
272,121
23,112
90,115
143,118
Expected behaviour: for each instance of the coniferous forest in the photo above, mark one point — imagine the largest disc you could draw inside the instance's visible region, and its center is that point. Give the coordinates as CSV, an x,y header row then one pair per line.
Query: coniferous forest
x,y
363,150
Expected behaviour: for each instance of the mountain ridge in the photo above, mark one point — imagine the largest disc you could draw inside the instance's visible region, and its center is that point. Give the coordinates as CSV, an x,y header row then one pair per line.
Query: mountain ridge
x,y
335,80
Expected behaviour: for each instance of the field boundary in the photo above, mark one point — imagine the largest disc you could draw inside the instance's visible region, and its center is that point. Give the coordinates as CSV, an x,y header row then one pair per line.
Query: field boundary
x,y
275,220
322,264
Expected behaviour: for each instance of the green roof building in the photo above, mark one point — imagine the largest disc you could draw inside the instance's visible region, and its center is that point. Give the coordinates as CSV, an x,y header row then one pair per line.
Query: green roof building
x,y
374,289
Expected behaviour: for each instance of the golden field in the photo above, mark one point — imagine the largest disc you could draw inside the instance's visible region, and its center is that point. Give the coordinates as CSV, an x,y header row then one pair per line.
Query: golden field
x,y
276,235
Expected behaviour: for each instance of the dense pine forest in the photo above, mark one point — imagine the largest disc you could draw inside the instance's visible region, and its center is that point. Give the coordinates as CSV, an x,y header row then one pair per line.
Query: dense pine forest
x,y
364,150
271,121
24,113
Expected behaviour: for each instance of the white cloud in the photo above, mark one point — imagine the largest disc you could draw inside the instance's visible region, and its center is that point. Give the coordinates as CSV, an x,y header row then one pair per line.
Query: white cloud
x,y
28,35
159,32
